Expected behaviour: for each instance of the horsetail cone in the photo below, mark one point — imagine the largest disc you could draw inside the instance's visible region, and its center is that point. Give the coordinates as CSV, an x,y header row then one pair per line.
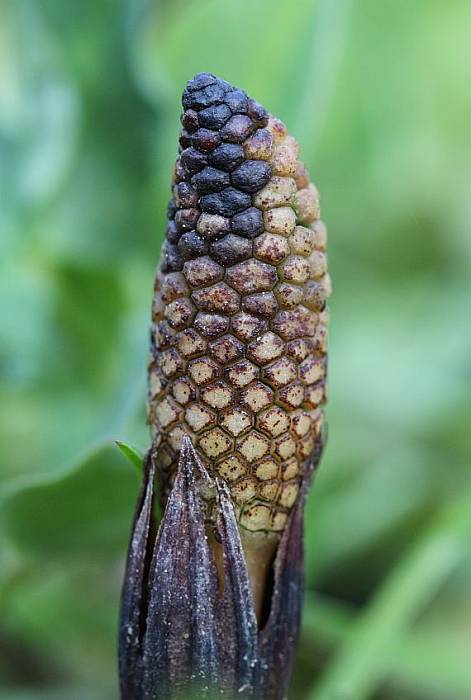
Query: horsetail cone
x,y
237,377
239,321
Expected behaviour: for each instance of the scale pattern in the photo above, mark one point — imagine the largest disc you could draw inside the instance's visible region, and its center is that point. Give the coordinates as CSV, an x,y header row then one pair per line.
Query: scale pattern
x,y
238,337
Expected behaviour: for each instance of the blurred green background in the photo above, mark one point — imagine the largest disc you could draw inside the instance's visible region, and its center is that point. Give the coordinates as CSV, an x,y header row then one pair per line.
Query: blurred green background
x,y
378,95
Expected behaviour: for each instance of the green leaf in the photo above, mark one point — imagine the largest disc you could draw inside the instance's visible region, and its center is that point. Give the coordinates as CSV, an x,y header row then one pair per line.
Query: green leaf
x,y
85,512
134,455
44,605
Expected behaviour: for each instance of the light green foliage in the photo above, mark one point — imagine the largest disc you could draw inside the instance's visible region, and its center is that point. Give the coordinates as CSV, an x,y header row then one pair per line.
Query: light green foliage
x,y
378,95
75,515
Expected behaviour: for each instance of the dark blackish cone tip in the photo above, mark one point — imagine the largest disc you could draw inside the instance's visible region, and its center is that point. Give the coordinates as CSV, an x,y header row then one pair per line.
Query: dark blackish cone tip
x,y
212,175
216,101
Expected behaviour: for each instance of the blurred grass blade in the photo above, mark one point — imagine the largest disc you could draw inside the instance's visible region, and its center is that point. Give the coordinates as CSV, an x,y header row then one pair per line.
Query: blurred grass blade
x,y
235,608
420,662
362,660
331,23
134,455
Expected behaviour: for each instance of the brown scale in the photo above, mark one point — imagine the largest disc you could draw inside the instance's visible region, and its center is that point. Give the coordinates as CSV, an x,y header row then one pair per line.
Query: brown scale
x,y
239,313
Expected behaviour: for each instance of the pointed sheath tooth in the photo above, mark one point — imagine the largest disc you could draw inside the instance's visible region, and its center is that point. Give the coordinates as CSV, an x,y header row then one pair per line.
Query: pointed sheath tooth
x,y
133,595
278,639
236,611
200,636
181,649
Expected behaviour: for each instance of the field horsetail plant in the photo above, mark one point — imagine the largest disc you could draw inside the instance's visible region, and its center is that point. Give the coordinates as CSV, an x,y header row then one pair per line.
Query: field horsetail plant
x,y
212,595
